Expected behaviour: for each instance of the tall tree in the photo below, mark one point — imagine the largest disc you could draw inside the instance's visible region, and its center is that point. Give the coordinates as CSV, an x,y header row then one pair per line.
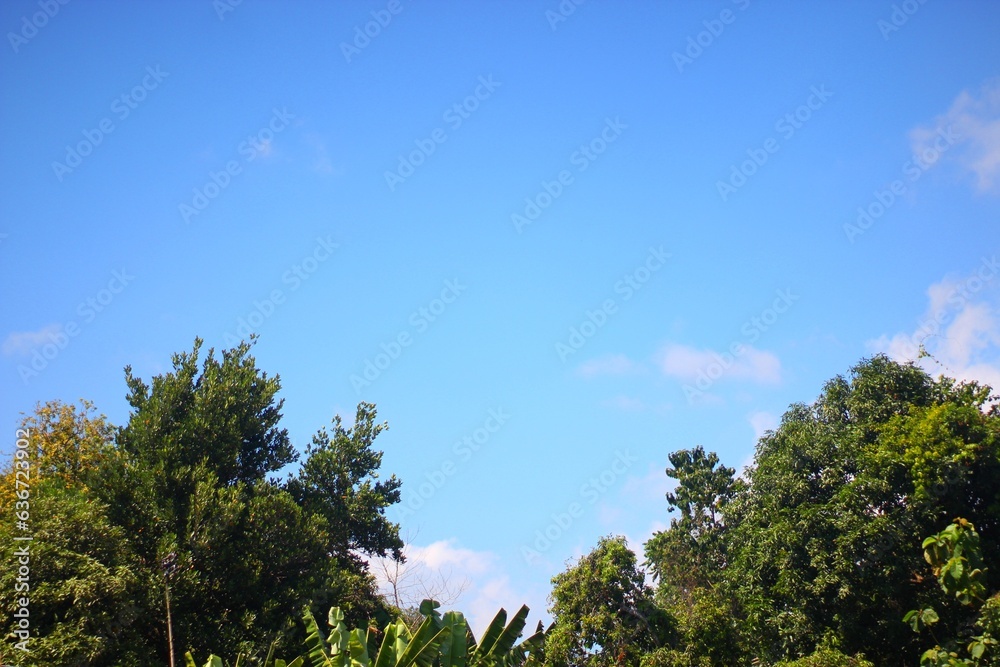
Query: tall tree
x,y
340,482
691,552
819,548
603,612
188,495
64,442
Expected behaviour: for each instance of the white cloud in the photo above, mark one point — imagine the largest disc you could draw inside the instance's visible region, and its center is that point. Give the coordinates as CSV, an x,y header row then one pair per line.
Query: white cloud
x,y
445,553
321,156
688,363
649,487
960,329
625,403
23,342
473,582
975,118
761,422
612,364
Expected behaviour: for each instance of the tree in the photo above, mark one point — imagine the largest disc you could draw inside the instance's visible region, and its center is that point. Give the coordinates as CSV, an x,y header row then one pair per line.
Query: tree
x,y
83,585
956,560
817,545
405,583
692,552
64,443
603,612
190,480
339,481
688,559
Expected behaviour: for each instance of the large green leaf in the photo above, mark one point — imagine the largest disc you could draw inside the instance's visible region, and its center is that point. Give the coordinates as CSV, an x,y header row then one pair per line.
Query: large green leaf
x,y
505,642
489,639
454,649
358,646
389,650
424,647
315,649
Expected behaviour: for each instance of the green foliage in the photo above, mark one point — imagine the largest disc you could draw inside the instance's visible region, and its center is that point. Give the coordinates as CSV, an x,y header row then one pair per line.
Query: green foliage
x,y
224,415
955,558
339,482
191,475
84,582
439,641
819,542
827,657
603,613
692,552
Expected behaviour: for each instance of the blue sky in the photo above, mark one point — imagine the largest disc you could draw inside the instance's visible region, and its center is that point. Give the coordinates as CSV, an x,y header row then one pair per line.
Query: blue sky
x,y
564,240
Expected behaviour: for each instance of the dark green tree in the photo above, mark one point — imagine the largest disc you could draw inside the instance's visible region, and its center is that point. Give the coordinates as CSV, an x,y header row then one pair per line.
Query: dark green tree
x,y
189,495
819,545
82,586
689,558
603,612
691,553
339,481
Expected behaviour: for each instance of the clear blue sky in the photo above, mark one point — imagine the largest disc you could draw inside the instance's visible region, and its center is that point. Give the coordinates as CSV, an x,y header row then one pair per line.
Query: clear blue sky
x,y
172,167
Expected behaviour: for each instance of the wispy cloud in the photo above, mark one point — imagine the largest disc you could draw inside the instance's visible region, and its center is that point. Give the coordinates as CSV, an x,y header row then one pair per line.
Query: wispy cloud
x,y
612,364
761,422
689,363
625,403
321,155
473,582
960,329
975,118
23,342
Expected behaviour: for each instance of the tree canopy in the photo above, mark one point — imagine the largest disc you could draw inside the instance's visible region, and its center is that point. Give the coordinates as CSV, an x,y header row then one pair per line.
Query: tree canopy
x,y
812,559
867,531
186,495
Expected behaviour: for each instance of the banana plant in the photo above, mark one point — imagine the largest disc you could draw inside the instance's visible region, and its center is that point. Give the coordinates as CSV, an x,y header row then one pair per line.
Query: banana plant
x,y
216,661
498,646
400,647
441,640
